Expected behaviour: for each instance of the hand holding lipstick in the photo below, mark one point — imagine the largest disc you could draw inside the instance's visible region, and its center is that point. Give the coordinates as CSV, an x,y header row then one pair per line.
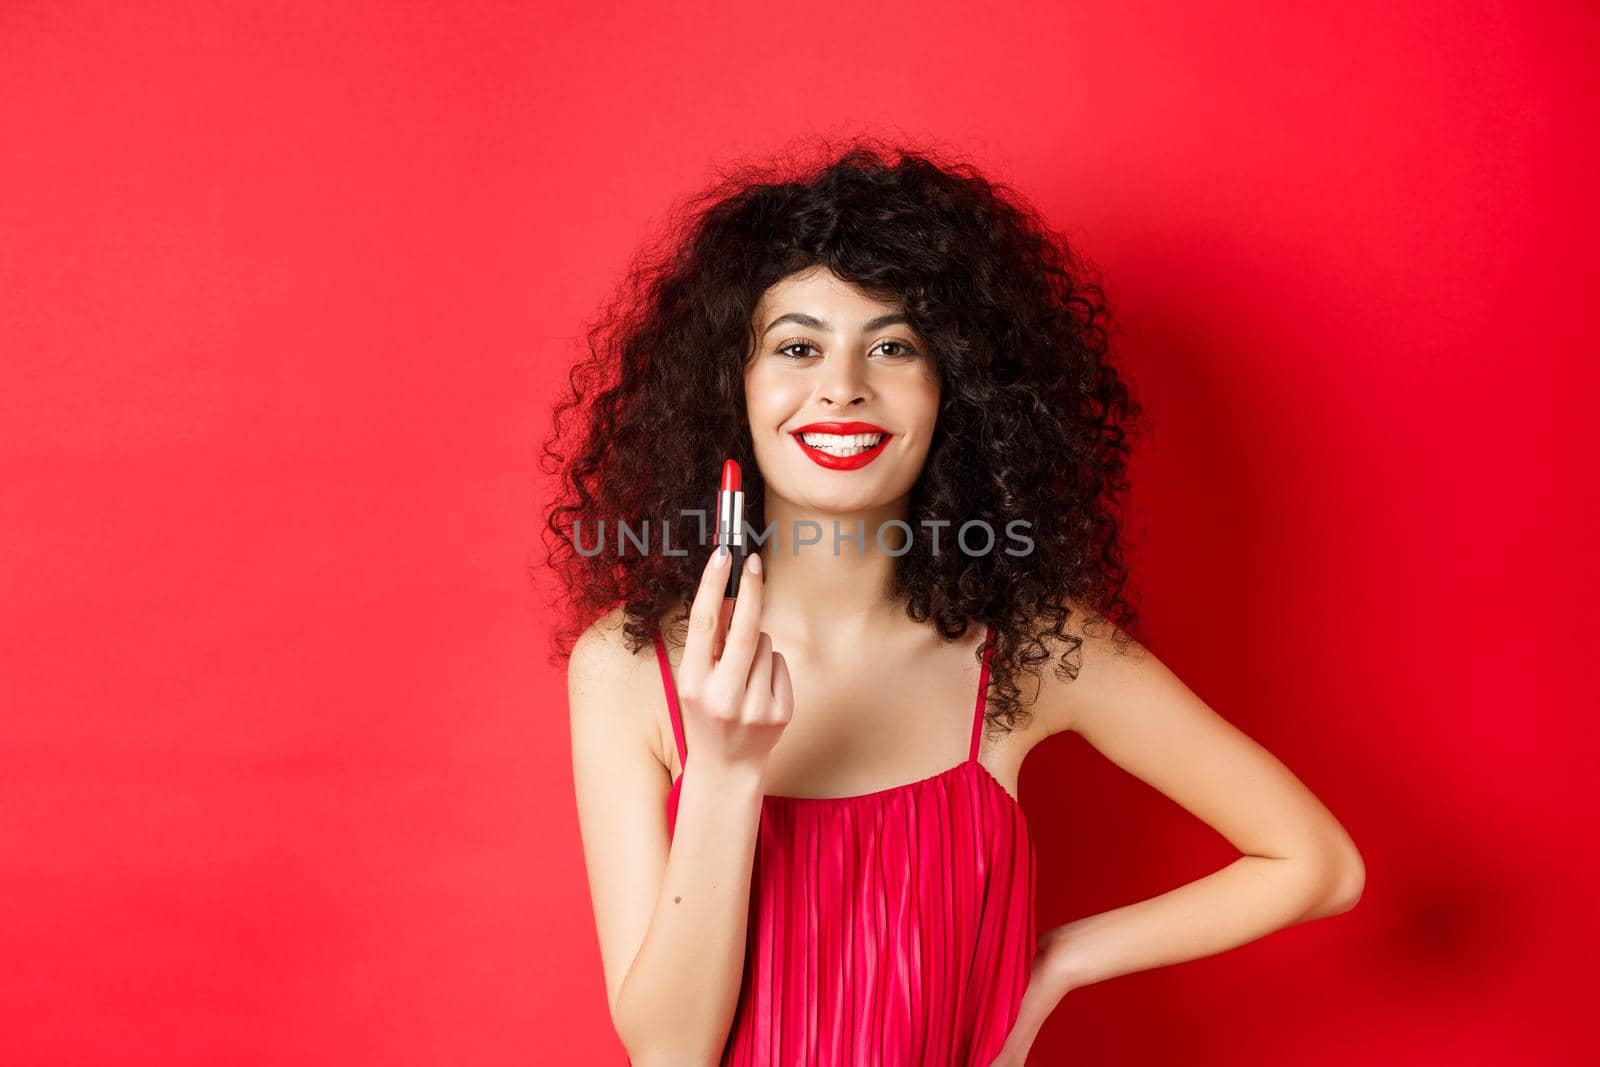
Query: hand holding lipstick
x,y
734,690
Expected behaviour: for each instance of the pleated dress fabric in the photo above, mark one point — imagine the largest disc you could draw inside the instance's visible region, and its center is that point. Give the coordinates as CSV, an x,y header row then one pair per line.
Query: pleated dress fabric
x,y
888,929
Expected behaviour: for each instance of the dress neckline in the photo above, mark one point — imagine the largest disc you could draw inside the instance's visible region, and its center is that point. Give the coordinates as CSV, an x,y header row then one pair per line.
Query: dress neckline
x,y
948,772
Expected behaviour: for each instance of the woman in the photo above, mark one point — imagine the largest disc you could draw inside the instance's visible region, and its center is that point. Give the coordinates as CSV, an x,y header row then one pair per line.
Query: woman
x,y
911,369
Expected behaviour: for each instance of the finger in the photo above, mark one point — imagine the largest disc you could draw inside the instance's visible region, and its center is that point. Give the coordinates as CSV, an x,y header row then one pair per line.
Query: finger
x,y
724,614
739,646
705,619
758,687
782,689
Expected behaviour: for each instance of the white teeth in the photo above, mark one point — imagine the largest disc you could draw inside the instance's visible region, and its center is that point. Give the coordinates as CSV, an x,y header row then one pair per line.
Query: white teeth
x,y
842,444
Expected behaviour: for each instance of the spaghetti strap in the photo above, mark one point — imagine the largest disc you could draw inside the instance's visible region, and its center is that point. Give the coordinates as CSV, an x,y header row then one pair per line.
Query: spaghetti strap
x,y
983,697
672,698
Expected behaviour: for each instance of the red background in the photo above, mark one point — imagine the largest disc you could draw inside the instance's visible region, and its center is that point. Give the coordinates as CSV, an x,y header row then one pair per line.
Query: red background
x,y
286,291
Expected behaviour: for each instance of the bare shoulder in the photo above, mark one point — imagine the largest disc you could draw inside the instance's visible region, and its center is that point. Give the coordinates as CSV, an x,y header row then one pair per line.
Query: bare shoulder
x,y
1090,668
602,649
610,687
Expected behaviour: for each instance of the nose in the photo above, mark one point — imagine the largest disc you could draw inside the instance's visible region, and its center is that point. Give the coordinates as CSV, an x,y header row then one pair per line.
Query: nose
x,y
843,382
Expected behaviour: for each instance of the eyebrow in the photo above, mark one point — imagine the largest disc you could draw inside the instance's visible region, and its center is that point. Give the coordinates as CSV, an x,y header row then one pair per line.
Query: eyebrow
x,y
814,323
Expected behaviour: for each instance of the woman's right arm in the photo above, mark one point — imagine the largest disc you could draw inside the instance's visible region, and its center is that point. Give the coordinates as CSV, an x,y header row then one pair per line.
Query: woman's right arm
x,y
671,915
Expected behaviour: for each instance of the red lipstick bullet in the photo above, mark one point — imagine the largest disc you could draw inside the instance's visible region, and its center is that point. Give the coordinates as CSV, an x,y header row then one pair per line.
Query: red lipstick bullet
x,y
730,523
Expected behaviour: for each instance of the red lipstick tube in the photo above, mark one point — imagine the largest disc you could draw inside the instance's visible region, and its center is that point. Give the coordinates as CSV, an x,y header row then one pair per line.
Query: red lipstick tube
x,y
730,523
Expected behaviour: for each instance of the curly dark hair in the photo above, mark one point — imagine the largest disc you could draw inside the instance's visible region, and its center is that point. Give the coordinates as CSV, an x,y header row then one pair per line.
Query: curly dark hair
x,y
1033,423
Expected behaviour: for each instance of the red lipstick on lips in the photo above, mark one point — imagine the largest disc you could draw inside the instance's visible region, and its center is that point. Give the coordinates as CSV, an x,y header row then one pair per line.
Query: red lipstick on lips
x,y
842,463
730,522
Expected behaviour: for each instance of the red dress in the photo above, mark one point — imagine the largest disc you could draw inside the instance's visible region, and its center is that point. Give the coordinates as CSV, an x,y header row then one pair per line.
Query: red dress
x,y
889,929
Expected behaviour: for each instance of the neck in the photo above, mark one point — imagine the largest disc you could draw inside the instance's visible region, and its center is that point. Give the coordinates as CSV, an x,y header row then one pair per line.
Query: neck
x,y
832,591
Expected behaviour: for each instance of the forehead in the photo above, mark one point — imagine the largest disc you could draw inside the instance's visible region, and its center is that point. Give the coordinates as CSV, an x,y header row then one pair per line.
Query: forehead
x,y
818,287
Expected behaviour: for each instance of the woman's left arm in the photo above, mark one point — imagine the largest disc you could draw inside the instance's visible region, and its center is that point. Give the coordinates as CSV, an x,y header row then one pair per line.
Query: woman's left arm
x,y
1298,862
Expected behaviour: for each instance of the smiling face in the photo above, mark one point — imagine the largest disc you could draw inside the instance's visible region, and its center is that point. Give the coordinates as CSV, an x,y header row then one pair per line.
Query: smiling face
x,y
849,371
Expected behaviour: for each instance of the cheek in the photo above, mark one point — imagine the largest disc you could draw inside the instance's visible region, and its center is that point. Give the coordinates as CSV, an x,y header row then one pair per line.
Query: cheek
x,y
754,395
768,399
920,403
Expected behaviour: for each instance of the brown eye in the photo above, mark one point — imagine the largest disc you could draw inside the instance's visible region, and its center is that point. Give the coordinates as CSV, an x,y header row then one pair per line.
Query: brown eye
x,y
905,349
786,349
